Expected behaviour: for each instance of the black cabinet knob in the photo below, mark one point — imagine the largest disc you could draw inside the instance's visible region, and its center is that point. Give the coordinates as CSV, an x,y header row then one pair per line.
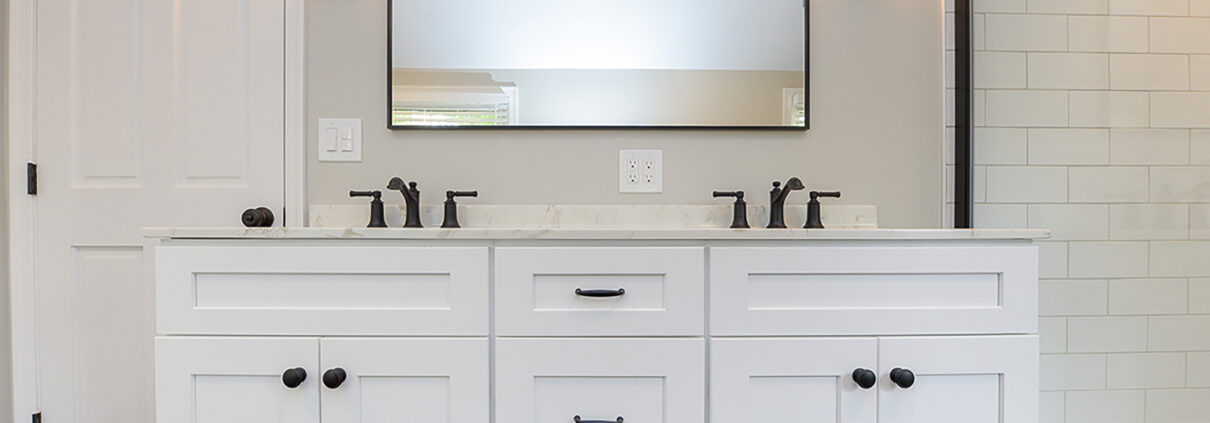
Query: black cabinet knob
x,y
259,217
903,378
334,377
865,378
293,378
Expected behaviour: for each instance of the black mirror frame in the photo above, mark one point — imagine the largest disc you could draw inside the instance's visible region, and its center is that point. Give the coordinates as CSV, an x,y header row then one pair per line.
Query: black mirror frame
x,y
390,93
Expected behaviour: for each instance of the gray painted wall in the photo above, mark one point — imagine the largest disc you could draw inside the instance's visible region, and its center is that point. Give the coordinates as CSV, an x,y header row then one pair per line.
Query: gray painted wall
x,y
877,125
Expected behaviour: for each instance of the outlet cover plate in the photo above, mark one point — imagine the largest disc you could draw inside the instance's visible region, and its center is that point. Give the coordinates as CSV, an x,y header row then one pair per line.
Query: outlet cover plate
x,y
641,171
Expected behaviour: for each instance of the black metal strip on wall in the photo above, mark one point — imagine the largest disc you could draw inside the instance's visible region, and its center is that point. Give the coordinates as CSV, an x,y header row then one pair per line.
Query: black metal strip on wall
x,y
963,132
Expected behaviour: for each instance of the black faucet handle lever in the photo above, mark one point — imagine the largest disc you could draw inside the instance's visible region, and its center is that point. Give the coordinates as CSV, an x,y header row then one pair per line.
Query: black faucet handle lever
x,y
451,207
377,214
739,219
449,195
814,220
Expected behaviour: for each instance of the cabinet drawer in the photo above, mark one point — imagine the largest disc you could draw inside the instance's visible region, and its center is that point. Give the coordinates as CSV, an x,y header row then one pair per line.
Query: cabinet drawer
x,y
554,380
638,291
873,290
322,290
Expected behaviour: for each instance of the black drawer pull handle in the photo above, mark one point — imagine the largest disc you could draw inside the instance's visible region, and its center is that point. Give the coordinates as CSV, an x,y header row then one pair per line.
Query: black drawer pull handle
x,y
578,420
293,378
600,293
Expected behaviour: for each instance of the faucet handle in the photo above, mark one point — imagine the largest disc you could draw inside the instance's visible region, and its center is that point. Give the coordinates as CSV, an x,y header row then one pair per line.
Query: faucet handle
x,y
739,218
377,215
814,221
451,207
449,195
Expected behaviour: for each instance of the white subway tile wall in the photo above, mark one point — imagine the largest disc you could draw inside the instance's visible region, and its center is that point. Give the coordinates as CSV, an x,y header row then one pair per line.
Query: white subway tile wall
x,y
1093,120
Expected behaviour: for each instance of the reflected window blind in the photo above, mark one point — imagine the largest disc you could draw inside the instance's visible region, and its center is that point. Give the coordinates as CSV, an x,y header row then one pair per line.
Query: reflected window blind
x,y
450,114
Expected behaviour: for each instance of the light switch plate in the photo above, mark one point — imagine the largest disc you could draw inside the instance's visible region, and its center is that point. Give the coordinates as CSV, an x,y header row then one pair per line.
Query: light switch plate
x,y
340,140
641,171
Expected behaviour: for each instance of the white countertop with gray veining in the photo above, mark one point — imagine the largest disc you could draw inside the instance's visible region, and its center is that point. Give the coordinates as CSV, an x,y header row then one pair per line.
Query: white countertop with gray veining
x,y
577,222
597,233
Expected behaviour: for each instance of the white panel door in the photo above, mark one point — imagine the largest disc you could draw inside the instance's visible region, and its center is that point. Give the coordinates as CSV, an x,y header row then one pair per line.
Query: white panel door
x,y
148,113
957,379
635,380
236,380
793,380
342,290
873,290
405,380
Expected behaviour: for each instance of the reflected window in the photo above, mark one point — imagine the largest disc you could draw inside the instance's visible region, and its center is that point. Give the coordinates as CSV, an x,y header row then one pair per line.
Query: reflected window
x,y
454,106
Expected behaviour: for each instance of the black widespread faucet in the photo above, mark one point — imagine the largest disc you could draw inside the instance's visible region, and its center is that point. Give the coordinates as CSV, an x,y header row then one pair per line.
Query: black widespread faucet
x,y
777,201
411,196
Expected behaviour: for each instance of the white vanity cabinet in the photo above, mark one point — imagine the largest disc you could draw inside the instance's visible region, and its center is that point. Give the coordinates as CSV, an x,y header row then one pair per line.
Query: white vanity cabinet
x,y
443,326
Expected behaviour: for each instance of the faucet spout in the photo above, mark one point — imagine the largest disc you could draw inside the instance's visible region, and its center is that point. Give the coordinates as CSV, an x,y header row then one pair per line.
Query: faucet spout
x,y
793,184
777,201
411,196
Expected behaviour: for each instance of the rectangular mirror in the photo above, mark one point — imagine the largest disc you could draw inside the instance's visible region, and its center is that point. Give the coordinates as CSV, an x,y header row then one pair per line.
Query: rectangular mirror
x,y
598,64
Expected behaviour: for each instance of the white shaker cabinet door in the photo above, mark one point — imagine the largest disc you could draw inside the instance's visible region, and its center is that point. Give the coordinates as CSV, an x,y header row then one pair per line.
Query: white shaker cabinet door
x,y
793,380
984,379
237,380
600,380
405,380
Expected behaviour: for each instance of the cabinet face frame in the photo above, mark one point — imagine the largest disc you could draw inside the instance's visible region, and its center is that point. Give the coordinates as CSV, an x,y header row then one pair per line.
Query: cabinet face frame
x,y
458,366
1009,308
463,310
182,361
677,359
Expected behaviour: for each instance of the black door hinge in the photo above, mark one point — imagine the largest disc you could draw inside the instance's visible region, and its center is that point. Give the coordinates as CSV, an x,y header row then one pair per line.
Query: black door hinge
x,y
37,418
31,178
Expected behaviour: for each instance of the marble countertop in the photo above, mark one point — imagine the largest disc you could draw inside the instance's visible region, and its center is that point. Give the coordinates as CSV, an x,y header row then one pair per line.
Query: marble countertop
x,y
595,233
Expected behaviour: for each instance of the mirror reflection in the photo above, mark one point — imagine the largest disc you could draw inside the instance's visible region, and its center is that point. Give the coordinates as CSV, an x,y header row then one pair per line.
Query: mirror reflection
x,y
598,63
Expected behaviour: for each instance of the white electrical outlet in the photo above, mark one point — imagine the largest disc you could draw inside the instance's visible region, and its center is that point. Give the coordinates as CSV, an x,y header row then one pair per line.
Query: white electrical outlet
x,y
641,171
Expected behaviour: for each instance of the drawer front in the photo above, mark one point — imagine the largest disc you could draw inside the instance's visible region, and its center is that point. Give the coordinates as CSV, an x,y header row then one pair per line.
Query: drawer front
x,y
873,290
600,291
639,380
322,290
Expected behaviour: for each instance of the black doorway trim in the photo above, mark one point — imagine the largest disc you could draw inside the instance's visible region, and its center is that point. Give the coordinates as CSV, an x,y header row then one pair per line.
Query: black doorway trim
x,y
963,132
